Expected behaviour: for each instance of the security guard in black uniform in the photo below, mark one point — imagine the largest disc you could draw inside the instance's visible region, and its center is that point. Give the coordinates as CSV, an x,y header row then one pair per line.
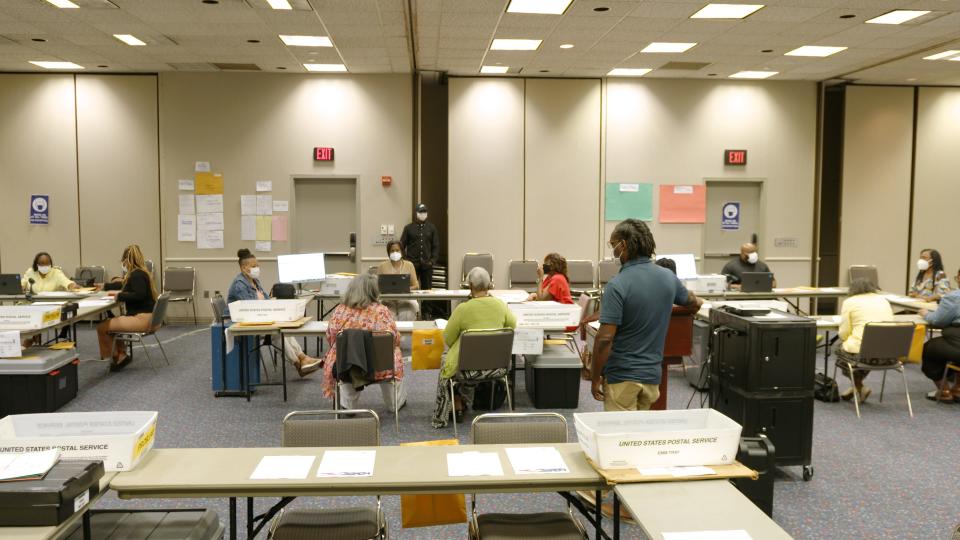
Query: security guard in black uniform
x,y
421,244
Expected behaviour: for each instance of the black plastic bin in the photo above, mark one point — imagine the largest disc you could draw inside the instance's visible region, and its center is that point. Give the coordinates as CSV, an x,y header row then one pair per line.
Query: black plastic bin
x,y
50,501
553,378
42,381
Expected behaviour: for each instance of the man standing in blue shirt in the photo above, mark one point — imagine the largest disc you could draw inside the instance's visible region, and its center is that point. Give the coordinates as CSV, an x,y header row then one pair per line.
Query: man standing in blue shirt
x,y
634,316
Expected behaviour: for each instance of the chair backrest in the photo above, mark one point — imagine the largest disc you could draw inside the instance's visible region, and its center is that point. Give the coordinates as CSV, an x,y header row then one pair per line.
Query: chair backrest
x,y
886,340
84,273
519,428
863,271
472,260
588,305
219,307
160,310
580,273
373,269
485,349
607,268
330,428
179,279
522,275
383,351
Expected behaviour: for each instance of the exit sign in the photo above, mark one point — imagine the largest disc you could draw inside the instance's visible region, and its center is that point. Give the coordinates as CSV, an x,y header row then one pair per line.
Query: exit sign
x,y
734,157
323,154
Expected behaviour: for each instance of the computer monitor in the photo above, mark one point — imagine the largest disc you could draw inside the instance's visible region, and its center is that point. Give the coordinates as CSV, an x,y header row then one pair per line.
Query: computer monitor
x,y
686,264
301,267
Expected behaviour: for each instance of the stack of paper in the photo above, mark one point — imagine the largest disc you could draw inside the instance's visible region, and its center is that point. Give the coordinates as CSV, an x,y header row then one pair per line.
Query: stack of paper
x,y
474,464
677,472
283,467
441,323
537,460
29,466
342,463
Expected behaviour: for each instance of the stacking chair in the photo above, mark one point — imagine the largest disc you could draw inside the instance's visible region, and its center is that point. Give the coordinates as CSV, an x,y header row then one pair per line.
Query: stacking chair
x,y
382,361
85,274
156,321
181,283
326,428
581,274
521,275
863,271
483,350
472,260
606,270
522,428
884,343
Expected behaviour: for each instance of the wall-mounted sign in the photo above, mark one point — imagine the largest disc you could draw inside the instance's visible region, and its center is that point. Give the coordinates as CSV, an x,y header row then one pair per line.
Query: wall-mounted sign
x,y
734,157
39,209
322,153
730,220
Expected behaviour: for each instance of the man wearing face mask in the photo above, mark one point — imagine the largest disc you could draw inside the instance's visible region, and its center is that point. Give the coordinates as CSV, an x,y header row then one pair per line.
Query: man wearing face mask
x,y
42,276
421,242
748,261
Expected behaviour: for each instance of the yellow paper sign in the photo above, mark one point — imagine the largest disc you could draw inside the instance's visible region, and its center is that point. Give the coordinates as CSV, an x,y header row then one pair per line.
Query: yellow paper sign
x,y
208,183
264,227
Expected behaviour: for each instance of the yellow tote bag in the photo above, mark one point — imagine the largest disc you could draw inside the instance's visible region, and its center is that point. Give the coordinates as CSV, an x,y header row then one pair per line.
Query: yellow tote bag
x,y
916,348
429,510
427,349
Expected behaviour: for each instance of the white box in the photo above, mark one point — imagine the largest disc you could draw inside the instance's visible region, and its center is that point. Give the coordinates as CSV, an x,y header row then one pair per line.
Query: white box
x,y
119,438
549,315
267,311
710,283
623,440
29,317
335,284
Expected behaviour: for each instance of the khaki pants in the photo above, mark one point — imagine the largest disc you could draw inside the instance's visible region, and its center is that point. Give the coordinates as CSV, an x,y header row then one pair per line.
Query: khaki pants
x,y
629,396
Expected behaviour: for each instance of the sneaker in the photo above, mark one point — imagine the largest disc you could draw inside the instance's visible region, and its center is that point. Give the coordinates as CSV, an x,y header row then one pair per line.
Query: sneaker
x,y
307,366
847,394
864,393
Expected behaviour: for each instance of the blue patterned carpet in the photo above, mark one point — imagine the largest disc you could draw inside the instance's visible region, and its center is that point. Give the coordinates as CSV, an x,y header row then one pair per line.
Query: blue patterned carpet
x,y
883,476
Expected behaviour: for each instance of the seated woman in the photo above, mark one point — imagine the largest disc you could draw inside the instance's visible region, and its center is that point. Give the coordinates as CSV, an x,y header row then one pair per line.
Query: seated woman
x,y
45,277
554,284
862,306
931,282
246,286
138,293
940,351
405,310
360,308
480,312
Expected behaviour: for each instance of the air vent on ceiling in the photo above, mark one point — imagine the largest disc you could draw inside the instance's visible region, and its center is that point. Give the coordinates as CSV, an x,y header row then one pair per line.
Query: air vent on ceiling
x,y
191,66
297,5
685,66
236,67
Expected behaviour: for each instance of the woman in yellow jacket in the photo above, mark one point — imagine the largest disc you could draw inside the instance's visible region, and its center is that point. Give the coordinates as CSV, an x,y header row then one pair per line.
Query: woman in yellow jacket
x,y
42,276
863,306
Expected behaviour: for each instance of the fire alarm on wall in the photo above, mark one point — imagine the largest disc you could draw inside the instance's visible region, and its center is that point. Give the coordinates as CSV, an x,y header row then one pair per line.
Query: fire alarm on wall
x,y
386,180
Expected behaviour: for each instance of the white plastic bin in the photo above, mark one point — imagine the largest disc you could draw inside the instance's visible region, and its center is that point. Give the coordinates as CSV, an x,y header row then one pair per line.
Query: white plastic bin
x,y
29,317
267,311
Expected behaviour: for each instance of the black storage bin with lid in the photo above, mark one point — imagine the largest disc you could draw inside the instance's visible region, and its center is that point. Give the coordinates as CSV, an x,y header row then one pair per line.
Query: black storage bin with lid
x,y
553,378
43,380
65,489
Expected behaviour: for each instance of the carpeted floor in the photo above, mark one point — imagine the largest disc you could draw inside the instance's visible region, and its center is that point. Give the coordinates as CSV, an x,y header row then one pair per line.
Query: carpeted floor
x,y
883,476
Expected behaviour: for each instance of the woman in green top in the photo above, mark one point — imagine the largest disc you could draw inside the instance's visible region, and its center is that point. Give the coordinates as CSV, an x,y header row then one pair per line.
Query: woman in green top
x,y
480,312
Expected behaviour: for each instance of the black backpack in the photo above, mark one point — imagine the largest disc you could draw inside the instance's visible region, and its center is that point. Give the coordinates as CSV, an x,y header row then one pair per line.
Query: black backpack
x,y
283,291
825,388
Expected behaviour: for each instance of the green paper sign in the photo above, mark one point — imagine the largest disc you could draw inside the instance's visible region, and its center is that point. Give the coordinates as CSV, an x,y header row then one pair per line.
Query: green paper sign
x,y
624,201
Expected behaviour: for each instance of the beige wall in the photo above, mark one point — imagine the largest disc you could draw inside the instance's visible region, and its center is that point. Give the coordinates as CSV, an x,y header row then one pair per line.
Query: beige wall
x,y
937,175
875,210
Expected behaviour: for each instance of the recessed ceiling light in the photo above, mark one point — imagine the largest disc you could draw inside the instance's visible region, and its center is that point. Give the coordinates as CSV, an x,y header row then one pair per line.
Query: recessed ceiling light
x,y
848,16
664,47
544,71
711,74
306,41
566,46
515,44
211,1
753,74
494,69
628,72
911,79
942,55
253,41
279,4
63,4
601,9
55,65
281,67
542,7
726,11
103,66
897,16
39,40
767,51
326,68
129,40
815,50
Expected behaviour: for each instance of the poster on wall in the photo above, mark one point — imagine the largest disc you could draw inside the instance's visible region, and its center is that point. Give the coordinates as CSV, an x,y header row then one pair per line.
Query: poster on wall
x,y
625,201
39,209
683,204
730,220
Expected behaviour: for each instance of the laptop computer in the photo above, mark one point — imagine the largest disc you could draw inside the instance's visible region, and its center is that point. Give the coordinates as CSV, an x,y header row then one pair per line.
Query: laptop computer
x,y
394,283
756,282
10,284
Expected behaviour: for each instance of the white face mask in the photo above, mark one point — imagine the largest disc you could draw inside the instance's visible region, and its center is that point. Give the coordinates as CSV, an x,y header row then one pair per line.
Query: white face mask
x,y
44,270
255,272
395,256
123,268
923,265
752,258
422,216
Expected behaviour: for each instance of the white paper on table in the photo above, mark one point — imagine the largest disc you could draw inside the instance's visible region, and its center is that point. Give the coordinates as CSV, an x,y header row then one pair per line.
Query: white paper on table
x,y
209,204
510,297
340,463
27,465
210,239
248,205
404,325
95,302
187,205
49,303
680,472
441,324
202,166
209,222
281,206
187,228
527,341
185,184
283,467
262,246
772,315
537,460
474,464
10,344
264,185
248,227
264,205
654,471
708,535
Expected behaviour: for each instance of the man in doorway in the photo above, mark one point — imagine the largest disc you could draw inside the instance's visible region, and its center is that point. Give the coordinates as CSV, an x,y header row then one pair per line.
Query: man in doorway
x,y
421,243
748,261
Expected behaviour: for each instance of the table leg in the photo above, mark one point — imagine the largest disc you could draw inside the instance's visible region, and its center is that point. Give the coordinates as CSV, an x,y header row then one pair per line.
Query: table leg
x,y
249,518
87,534
244,372
233,518
616,516
599,498
283,364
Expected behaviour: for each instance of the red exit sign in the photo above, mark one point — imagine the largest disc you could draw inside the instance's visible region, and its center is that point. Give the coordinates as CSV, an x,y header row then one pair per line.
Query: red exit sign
x,y
323,154
734,157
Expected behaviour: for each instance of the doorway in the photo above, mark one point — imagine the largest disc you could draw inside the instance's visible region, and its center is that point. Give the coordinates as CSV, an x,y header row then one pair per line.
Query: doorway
x,y
325,220
733,217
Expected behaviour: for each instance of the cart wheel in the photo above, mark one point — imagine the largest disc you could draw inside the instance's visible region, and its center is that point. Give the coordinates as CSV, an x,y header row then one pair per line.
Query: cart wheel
x,y
807,472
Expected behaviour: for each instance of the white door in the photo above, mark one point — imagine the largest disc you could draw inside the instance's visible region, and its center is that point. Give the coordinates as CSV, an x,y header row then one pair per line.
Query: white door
x,y
733,218
325,217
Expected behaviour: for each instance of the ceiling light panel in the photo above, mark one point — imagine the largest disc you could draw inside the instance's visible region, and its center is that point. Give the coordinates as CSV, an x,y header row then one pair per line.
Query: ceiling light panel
x,y
628,72
55,65
726,11
306,41
515,44
897,16
326,68
664,47
815,50
494,69
63,4
753,74
942,55
279,4
129,40
540,7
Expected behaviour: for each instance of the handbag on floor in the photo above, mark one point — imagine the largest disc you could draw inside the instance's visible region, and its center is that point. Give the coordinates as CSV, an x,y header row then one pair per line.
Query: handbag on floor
x,y
825,388
429,510
427,349
482,396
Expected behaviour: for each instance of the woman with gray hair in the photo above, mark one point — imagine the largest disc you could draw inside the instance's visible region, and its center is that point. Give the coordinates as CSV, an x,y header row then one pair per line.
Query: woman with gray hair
x,y
480,312
862,306
360,308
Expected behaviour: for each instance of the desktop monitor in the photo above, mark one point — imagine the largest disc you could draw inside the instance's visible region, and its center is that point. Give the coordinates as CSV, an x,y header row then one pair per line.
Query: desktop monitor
x,y
686,264
301,267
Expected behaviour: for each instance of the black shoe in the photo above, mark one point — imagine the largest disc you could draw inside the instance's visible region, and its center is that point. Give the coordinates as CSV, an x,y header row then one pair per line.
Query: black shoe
x,y
117,366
